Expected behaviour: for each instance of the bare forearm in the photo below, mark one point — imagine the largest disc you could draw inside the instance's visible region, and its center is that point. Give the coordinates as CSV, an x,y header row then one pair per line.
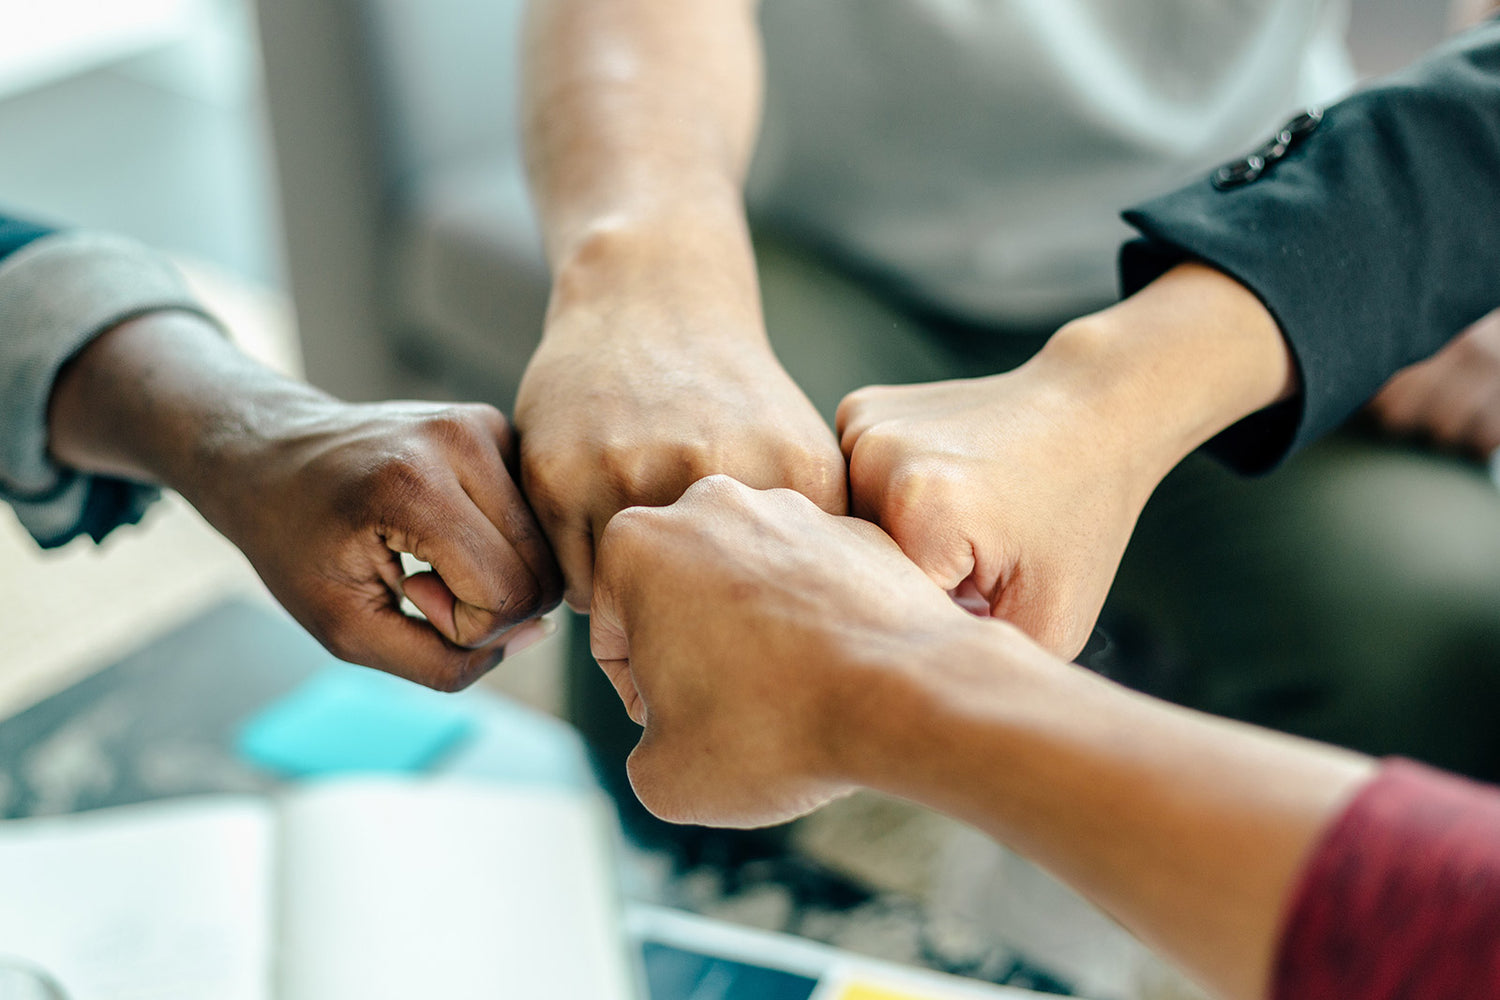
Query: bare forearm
x,y
640,121
1187,829
1164,371
154,399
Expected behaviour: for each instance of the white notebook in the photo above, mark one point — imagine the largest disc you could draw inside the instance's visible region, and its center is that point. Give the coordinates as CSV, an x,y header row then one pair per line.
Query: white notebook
x,y
349,890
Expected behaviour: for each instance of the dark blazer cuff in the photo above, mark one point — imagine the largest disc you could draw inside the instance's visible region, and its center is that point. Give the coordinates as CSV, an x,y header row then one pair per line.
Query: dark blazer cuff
x,y
1372,241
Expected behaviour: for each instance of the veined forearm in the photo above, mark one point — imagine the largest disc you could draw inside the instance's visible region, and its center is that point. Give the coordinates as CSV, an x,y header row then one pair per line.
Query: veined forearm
x,y
154,399
638,111
1189,830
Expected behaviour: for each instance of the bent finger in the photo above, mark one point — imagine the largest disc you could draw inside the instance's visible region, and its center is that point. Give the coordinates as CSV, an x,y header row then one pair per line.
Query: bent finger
x,y
492,489
406,647
491,587
609,636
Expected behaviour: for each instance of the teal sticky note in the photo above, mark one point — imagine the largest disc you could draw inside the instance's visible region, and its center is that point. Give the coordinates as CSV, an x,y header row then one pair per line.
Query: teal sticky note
x,y
350,720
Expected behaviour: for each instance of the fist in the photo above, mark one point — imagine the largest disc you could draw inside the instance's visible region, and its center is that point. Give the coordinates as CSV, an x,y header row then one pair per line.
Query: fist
x,y
999,489
615,424
747,632
324,502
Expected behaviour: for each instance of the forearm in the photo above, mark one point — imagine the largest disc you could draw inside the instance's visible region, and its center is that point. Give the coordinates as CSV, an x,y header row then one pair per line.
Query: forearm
x,y
1188,830
640,121
1358,294
1166,370
159,399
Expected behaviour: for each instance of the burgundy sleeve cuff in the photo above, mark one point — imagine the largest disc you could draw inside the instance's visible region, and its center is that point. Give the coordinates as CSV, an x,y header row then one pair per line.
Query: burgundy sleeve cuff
x,y
1402,897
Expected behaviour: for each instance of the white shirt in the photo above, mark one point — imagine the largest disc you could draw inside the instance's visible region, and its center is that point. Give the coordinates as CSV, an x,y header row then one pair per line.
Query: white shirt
x,y
979,151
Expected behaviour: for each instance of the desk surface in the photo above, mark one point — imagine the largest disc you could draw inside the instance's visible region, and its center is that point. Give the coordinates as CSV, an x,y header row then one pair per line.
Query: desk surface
x,y
160,721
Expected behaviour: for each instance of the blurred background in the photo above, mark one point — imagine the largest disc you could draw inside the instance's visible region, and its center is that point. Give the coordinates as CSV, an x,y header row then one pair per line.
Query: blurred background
x,y
387,200
340,181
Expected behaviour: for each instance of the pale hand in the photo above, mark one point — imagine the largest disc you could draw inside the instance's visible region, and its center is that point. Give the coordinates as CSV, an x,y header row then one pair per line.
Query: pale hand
x,y
1006,487
745,630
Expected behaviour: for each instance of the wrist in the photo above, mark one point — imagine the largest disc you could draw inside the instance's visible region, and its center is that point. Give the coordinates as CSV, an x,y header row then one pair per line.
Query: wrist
x,y
167,399
881,726
116,407
982,721
699,262
1161,373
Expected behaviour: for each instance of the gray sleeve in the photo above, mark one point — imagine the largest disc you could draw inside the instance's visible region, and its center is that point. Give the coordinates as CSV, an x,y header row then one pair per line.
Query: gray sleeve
x,y
56,295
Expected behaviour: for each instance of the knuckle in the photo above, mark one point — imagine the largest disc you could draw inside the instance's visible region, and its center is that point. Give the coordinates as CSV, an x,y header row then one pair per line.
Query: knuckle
x,y
819,468
629,529
622,466
472,429
519,603
918,492
449,678
860,399
717,488
546,477
452,426
488,419
698,458
881,446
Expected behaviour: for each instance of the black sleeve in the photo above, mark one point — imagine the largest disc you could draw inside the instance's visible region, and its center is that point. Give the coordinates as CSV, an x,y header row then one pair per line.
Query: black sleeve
x,y
1373,237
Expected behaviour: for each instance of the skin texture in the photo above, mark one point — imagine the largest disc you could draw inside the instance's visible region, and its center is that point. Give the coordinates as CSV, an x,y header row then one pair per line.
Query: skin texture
x,y
654,369
1024,488
1453,398
778,656
322,496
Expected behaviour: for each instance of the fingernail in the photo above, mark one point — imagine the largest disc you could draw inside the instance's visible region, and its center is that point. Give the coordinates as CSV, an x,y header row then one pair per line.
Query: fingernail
x,y
528,635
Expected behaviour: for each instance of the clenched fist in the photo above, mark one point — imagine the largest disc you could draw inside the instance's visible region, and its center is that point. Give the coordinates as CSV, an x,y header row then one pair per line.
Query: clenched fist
x,y
996,486
1024,488
745,631
621,407
323,496
324,507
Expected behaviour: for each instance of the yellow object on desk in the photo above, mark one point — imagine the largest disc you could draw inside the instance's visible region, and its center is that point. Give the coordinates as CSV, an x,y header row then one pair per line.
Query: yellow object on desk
x,y
859,991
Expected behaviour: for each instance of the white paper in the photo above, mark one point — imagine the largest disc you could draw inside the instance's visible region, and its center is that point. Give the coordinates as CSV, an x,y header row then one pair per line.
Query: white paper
x,y
162,901
451,890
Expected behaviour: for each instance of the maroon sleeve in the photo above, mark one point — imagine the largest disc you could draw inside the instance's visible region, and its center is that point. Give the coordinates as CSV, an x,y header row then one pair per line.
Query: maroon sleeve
x,y
1402,897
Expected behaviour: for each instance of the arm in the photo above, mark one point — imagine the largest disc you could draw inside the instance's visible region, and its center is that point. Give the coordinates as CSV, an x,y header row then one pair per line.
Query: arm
x,y
321,495
654,368
59,291
835,663
1359,294
1260,317
1026,486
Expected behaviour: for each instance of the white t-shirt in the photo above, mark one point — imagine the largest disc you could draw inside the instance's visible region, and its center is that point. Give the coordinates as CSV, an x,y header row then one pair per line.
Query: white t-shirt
x,y
979,151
